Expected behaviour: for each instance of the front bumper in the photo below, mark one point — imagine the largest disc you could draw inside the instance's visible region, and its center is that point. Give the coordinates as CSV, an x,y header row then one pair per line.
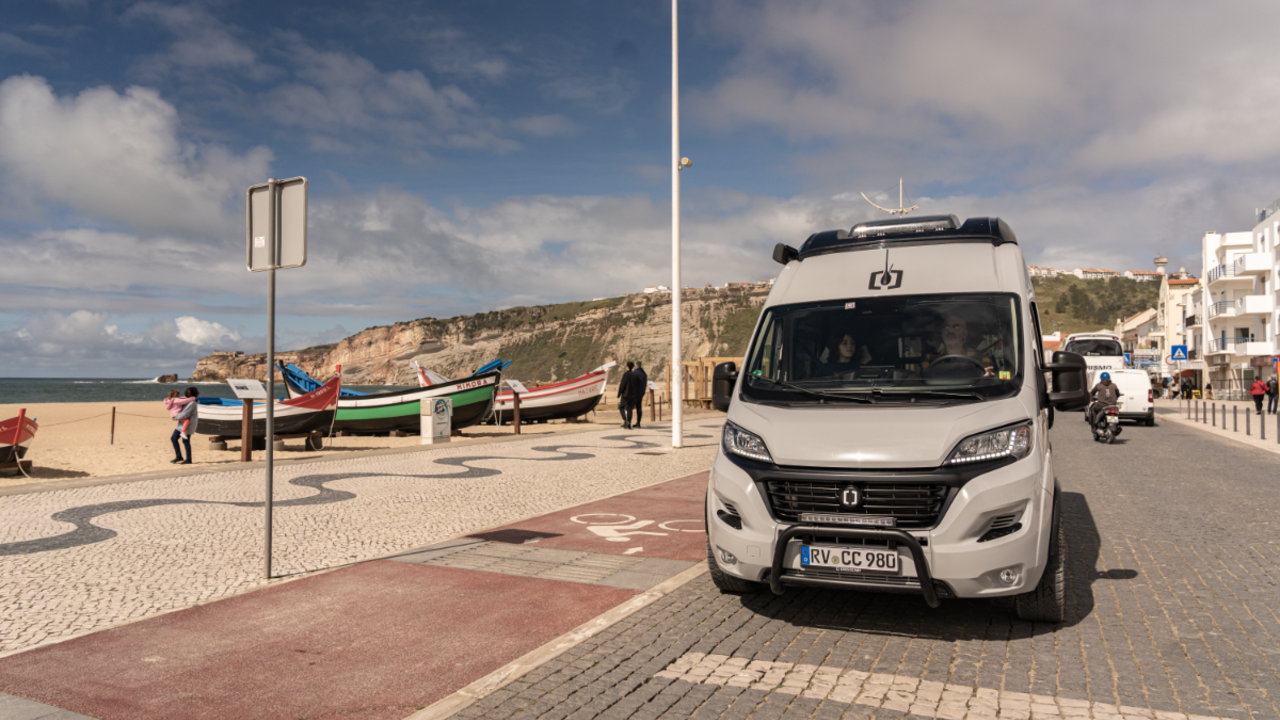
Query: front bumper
x,y
946,560
923,584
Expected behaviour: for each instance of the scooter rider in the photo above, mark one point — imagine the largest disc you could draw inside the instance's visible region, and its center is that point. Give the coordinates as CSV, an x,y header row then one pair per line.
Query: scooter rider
x,y
1104,393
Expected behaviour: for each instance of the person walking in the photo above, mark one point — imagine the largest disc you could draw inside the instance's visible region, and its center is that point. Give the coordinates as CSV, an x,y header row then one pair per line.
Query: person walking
x,y
187,419
1257,390
1164,388
1273,391
640,381
1208,391
626,388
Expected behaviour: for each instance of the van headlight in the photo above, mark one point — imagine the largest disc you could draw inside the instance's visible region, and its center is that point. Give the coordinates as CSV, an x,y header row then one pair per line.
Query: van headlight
x,y
746,444
1013,441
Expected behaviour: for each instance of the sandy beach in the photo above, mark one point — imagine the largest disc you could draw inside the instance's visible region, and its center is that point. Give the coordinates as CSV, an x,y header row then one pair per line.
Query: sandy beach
x,y
74,440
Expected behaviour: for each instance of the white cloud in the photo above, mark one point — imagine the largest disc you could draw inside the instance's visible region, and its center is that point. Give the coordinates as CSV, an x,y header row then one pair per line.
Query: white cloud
x,y
1094,86
118,158
201,42
342,99
203,333
78,341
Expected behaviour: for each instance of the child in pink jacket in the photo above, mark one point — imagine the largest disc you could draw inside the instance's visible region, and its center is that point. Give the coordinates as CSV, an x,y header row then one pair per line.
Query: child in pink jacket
x,y
174,405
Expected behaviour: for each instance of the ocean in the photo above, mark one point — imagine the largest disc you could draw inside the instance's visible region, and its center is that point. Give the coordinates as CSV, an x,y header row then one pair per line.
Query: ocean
x,y
15,391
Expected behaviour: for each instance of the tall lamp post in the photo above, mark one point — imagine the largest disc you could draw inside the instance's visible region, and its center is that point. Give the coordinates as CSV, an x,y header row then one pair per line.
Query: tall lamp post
x,y
677,357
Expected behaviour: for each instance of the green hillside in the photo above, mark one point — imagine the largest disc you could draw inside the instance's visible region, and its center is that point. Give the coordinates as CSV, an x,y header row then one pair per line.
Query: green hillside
x,y
1069,304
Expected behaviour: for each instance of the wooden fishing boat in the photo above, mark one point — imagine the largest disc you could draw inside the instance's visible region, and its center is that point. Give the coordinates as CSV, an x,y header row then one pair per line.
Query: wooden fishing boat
x,y
299,415
557,401
16,435
399,410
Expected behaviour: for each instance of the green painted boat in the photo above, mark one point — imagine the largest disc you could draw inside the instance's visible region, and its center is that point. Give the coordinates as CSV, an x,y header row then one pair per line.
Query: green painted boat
x,y
400,409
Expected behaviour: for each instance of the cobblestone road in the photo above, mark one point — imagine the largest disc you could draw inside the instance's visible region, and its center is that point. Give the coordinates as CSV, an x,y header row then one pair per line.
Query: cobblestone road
x,y
1174,613
77,560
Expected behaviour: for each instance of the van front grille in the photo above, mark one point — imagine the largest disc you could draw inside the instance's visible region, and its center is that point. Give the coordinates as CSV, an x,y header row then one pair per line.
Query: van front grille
x,y
912,505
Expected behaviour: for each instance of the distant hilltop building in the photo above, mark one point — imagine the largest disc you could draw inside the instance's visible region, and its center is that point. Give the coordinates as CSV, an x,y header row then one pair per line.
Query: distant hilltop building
x,y
1144,275
1042,271
226,353
1095,274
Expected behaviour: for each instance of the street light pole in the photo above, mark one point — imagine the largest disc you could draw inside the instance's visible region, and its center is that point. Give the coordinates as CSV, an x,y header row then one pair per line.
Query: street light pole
x,y
677,357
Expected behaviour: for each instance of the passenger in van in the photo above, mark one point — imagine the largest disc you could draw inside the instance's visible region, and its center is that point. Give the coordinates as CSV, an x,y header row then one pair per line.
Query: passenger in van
x,y
955,333
844,355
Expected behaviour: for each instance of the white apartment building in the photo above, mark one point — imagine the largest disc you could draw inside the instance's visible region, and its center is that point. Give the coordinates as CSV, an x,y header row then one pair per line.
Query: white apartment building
x,y
1094,273
1238,337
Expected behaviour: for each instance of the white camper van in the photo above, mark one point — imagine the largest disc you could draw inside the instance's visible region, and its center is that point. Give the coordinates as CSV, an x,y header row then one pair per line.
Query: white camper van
x,y
889,431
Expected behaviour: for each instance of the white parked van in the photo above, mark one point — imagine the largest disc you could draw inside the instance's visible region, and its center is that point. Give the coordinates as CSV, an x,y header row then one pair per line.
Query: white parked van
x,y
889,431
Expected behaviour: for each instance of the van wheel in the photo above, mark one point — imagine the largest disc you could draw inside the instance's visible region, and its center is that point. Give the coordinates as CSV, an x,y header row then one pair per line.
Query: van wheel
x,y
1048,602
1151,422
724,581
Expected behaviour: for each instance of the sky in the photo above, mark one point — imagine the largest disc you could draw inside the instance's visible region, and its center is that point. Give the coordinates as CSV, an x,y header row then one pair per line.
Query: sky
x,y
469,157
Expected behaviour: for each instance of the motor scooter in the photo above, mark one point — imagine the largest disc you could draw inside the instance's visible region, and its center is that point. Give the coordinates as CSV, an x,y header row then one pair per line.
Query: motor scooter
x,y
1106,423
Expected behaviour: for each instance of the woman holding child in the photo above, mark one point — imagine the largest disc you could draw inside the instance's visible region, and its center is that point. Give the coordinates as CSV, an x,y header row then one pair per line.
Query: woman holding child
x,y
185,411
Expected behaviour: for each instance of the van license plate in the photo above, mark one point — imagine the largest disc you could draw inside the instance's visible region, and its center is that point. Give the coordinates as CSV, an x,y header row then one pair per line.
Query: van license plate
x,y
860,560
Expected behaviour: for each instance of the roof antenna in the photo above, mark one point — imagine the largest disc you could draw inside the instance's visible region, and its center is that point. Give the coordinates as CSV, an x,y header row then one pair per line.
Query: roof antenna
x,y
901,211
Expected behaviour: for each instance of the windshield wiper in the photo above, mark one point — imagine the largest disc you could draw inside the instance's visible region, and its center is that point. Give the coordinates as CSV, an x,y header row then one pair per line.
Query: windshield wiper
x,y
822,396
929,393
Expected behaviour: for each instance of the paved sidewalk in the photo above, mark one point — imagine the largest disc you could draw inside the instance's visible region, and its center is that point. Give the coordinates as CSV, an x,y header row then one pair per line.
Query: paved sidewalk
x,y
382,639
82,559
1233,420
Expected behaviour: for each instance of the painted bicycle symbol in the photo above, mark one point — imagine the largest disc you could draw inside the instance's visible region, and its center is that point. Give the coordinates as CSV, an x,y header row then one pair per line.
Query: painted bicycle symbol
x,y
613,529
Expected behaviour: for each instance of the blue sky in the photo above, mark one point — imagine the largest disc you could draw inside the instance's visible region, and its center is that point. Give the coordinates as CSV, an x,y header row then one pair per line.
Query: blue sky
x,y
464,157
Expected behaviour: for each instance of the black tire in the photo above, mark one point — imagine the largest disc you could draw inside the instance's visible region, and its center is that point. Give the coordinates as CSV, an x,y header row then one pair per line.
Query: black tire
x,y
724,581
314,443
1151,422
1048,601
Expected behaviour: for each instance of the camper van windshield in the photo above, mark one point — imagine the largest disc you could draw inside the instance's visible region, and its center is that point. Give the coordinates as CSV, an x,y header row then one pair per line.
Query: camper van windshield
x,y
1095,347
964,346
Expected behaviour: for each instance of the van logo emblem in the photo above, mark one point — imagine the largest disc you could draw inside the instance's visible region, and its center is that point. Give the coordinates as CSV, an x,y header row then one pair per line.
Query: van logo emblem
x,y
887,279
849,497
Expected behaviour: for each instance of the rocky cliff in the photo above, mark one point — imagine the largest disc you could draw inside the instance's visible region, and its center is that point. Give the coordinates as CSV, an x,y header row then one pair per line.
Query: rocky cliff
x,y
545,343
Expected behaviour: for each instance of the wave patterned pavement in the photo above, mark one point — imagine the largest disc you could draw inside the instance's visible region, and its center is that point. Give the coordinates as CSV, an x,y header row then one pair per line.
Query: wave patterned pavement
x,y
83,559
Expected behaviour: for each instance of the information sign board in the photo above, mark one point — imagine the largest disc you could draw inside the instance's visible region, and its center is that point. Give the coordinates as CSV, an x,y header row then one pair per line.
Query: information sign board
x,y
277,221
1177,352
248,389
517,386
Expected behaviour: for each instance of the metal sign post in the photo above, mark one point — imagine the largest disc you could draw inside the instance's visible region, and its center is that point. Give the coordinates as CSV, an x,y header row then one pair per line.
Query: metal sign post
x,y
277,239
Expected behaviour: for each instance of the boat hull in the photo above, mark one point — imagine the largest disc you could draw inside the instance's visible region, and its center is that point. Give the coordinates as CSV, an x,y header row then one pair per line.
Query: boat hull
x,y
21,429
230,427
295,416
568,399
401,410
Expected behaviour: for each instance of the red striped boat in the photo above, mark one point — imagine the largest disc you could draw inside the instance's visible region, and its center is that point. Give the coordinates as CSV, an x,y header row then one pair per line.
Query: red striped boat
x,y
567,399
16,435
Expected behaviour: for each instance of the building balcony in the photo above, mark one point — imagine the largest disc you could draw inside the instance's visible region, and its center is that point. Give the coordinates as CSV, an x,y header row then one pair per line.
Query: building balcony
x,y
1255,305
1252,264
1225,274
1195,321
1239,346
1225,308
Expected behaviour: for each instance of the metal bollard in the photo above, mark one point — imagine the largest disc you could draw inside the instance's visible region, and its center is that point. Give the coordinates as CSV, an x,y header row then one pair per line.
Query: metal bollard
x,y
1247,425
1262,426
1215,414
1235,418
1197,407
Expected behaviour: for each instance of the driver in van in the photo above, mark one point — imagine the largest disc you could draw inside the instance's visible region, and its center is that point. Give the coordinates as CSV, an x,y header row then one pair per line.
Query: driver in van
x,y
1104,393
955,331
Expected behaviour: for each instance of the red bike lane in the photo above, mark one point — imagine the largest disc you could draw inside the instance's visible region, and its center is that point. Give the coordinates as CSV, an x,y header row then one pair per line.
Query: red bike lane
x,y
377,640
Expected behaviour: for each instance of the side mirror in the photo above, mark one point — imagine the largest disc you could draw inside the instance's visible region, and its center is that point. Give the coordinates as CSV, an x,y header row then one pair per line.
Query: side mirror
x,y
722,382
783,253
1070,385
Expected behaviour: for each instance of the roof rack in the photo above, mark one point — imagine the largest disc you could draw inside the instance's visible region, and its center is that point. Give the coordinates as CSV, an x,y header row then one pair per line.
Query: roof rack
x,y
924,230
